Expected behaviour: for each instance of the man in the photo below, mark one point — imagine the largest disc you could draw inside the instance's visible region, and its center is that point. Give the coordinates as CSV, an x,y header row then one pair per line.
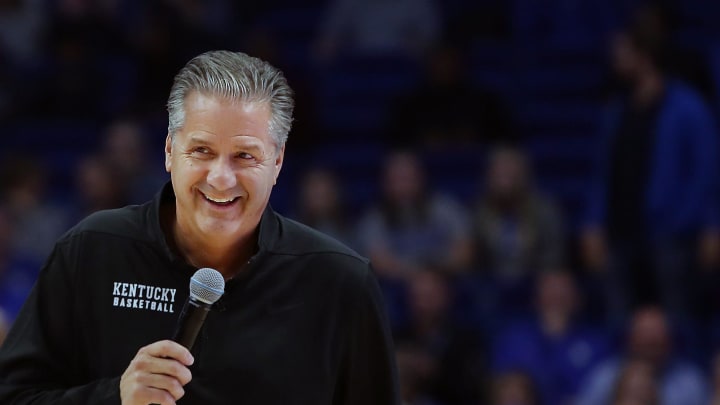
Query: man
x,y
649,340
301,320
652,206
553,344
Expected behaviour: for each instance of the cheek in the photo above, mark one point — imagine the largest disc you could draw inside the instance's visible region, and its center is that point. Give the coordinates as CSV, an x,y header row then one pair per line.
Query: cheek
x,y
259,184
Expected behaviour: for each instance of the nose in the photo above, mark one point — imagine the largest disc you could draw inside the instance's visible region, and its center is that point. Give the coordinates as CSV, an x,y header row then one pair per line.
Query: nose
x,y
221,175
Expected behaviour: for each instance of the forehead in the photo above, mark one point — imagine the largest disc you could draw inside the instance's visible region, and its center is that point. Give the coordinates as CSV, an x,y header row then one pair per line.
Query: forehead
x,y
650,320
215,116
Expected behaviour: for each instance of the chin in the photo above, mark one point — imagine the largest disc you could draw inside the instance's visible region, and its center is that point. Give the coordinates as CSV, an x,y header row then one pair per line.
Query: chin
x,y
224,227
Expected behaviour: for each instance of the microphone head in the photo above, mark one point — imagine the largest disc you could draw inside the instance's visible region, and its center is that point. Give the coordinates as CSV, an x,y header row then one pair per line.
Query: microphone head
x,y
207,285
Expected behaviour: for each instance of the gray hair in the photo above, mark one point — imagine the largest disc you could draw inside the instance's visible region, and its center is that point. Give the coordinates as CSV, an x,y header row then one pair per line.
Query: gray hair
x,y
235,76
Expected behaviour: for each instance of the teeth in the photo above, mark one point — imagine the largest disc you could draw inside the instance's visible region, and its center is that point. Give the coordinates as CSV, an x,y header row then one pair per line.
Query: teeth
x,y
219,200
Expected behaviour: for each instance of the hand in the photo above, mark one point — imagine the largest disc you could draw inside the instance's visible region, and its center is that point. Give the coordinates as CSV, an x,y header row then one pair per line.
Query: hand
x,y
594,249
156,375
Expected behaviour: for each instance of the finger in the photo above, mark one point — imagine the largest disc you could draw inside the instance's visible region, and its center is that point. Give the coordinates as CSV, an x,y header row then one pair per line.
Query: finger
x,y
163,382
157,365
157,396
140,395
168,348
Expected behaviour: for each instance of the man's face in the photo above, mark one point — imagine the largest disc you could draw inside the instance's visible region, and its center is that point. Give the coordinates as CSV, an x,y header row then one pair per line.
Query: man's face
x,y
403,179
507,175
650,336
223,164
319,194
556,294
626,59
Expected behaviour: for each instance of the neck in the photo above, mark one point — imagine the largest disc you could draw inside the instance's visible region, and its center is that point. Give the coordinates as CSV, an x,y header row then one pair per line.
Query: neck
x,y
226,258
427,326
649,88
554,324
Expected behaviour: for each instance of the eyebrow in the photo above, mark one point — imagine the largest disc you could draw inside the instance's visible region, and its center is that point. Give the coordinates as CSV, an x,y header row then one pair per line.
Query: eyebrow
x,y
197,139
247,144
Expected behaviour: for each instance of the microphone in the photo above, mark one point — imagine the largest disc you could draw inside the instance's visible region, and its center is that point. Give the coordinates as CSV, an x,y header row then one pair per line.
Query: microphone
x,y
206,287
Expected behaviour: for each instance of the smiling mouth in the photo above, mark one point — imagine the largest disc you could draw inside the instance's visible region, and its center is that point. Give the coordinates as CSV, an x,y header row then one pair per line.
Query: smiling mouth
x,y
223,202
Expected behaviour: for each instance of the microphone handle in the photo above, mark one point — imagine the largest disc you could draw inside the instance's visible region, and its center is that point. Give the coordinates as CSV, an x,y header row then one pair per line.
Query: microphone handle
x,y
191,320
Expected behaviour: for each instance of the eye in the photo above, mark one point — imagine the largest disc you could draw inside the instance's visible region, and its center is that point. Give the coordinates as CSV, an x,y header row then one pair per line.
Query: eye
x,y
245,155
200,152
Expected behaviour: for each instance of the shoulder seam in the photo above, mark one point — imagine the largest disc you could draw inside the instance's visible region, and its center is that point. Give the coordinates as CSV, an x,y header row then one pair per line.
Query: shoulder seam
x,y
322,252
79,233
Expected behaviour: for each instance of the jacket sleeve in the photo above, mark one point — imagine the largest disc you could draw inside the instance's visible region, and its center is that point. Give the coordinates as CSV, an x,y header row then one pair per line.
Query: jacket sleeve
x,y
41,359
368,373
701,194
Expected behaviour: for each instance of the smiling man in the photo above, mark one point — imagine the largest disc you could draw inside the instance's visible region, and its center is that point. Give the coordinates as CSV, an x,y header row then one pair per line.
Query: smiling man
x,y
301,320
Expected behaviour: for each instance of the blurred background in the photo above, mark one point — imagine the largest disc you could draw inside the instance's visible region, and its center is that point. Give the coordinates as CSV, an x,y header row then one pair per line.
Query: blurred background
x,y
535,181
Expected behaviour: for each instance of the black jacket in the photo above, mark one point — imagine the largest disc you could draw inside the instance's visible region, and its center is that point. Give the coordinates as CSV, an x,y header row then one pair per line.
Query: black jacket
x,y
305,325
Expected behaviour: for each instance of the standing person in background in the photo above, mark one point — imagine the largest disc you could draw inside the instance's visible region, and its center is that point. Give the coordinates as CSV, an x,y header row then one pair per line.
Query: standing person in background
x,y
301,319
653,203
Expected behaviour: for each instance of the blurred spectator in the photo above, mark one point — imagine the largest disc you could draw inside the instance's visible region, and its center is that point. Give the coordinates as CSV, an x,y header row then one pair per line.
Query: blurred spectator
x,y
446,110
517,231
559,22
412,227
715,380
513,388
649,340
98,186
653,202
263,42
71,83
636,385
678,60
17,273
457,353
155,36
126,152
471,22
4,326
553,346
22,23
321,205
414,368
36,220
213,19
406,27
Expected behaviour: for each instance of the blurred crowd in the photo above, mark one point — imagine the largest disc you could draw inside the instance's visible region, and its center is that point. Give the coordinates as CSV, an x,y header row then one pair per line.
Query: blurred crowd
x,y
416,147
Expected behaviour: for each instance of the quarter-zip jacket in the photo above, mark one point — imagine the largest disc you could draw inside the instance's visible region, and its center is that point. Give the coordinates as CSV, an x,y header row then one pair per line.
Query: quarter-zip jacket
x,y
304,324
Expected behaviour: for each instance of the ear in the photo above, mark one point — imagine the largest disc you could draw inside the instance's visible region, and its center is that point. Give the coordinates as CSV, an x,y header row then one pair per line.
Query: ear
x,y
278,162
168,152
